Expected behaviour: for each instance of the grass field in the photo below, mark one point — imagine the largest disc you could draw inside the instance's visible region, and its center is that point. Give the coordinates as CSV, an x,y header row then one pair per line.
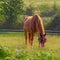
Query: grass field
x,y
39,2
14,41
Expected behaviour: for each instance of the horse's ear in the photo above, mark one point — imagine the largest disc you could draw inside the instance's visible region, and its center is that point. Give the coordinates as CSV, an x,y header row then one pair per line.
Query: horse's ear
x,y
45,34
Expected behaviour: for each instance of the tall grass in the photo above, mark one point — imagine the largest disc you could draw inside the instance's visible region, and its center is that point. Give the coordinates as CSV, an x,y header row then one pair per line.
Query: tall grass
x,y
31,54
12,47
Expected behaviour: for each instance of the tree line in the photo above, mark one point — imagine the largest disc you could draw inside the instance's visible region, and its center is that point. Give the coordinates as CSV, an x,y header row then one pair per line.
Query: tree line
x,y
10,9
13,12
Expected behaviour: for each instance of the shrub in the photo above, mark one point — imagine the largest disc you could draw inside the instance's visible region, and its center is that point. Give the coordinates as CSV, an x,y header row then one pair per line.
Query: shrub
x,y
44,8
4,52
55,23
30,10
21,55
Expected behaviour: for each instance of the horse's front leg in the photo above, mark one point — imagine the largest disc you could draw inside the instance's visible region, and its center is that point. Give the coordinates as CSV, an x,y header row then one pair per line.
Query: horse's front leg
x,y
31,41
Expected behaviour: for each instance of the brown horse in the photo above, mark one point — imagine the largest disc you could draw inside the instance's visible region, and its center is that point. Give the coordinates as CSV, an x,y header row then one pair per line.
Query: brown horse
x,y
34,24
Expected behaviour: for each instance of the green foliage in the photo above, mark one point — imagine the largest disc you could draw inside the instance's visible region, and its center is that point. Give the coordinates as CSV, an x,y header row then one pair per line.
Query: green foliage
x,y
54,6
46,20
30,10
1,8
21,55
4,52
55,23
44,9
58,9
11,10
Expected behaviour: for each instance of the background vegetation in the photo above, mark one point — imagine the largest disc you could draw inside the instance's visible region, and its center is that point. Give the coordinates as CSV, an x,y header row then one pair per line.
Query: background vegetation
x,y
12,13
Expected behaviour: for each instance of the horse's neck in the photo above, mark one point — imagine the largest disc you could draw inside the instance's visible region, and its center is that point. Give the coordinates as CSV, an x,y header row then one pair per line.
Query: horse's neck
x,y
39,26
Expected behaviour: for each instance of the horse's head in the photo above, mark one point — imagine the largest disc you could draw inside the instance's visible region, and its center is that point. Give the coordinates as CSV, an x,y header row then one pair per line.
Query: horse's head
x,y
42,39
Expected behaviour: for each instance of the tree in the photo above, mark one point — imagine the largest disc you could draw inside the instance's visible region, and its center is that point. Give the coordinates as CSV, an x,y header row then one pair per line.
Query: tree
x,y
1,7
12,8
30,10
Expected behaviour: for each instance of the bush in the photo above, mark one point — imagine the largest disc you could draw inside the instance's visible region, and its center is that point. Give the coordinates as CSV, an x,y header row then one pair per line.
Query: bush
x,y
21,55
55,23
30,10
4,52
44,8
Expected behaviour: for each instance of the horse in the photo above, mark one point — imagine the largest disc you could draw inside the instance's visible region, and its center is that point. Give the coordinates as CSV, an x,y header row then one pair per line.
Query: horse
x,y
33,24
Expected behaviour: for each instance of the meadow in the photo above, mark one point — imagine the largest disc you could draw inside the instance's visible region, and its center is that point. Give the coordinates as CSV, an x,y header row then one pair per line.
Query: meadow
x,y
12,47
12,44
39,2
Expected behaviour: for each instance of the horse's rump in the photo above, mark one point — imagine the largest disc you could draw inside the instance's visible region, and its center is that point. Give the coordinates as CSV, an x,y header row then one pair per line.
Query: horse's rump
x,y
29,24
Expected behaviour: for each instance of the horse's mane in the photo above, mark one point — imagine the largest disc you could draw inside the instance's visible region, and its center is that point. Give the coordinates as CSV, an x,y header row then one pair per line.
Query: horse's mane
x,y
37,19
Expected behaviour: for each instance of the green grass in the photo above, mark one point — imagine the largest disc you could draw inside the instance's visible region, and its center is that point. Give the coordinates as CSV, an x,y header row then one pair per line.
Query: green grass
x,y
39,2
14,45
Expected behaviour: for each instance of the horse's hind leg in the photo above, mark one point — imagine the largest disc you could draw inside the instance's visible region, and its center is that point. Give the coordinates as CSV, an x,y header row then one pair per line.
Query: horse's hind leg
x,y
31,38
